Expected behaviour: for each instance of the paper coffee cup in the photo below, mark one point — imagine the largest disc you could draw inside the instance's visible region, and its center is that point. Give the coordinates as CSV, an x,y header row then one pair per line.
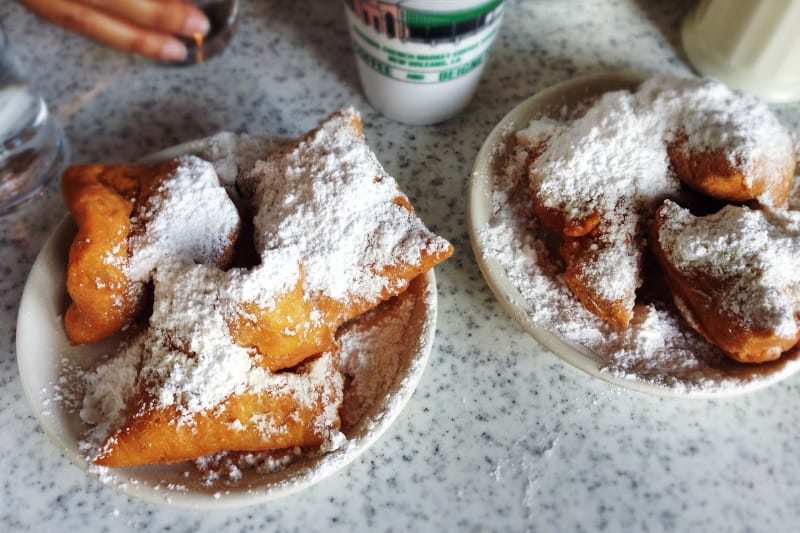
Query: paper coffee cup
x,y
749,45
420,60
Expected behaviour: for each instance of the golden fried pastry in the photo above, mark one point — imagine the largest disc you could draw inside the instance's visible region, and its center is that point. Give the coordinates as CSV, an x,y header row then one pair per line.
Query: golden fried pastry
x,y
713,173
585,244
734,276
104,298
230,359
284,331
605,253
199,392
721,142
596,180
326,199
594,183
185,215
293,409
129,218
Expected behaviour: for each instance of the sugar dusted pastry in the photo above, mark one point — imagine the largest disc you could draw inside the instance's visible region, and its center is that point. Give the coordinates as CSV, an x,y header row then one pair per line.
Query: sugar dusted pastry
x,y
593,182
129,219
198,392
326,198
597,179
723,143
734,276
245,358
185,217
104,298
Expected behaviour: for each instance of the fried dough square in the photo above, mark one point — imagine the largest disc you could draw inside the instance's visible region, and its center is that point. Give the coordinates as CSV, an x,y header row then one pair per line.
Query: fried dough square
x,y
129,218
297,408
326,200
733,276
104,298
198,392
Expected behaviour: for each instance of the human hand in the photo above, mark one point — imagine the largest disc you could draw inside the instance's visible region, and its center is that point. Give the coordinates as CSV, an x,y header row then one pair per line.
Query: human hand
x,y
144,27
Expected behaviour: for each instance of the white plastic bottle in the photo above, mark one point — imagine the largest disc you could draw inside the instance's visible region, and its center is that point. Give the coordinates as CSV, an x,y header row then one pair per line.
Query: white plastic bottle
x,y
753,45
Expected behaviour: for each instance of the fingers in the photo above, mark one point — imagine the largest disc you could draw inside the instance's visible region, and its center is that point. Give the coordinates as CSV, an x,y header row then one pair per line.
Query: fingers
x,y
172,17
108,28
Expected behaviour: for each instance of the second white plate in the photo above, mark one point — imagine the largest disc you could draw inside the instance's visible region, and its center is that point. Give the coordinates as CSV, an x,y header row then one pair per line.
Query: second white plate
x,y
696,376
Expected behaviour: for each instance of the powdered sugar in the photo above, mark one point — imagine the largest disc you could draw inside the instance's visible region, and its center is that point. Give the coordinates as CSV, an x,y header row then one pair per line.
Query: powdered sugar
x,y
714,117
336,181
189,218
375,351
201,374
110,388
230,468
752,253
613,154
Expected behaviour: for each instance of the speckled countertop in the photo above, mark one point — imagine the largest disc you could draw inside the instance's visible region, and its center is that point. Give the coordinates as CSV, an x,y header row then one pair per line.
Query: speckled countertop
x,y
500,435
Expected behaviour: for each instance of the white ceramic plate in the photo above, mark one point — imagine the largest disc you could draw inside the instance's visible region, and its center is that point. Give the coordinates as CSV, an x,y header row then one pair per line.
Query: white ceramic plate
x,y
725,377
52,372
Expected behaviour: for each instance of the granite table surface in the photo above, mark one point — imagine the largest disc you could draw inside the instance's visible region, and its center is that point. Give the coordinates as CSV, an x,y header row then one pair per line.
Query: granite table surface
x,y
501,435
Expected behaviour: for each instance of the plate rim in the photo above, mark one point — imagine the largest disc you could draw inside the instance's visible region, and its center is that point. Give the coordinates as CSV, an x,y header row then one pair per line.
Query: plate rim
x,y
479,191
59,237
194,146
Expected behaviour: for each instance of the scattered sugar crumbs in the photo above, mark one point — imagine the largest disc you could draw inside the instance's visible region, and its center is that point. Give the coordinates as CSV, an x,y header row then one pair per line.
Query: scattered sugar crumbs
x,y
66,394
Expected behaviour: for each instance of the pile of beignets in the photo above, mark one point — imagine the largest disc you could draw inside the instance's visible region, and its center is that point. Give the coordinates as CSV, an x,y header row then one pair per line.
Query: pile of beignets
x,y
230,309
610,184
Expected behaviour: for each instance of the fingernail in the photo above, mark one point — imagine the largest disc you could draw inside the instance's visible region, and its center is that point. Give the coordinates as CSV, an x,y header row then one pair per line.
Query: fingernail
x,y
196,23
173,51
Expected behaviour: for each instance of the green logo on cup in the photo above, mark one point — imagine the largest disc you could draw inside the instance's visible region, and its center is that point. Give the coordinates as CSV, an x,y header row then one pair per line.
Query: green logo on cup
x,y
420,42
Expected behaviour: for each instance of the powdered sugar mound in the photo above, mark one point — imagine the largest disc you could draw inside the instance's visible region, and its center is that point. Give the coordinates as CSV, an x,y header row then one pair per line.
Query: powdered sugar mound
x,y
659,348
211,367
751,252
610,162
189,218
716,118
109,390
537,132
331,201
612,153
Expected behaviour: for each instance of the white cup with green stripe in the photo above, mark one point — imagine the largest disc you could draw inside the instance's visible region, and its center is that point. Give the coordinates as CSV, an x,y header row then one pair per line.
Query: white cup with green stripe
x,y
420,60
